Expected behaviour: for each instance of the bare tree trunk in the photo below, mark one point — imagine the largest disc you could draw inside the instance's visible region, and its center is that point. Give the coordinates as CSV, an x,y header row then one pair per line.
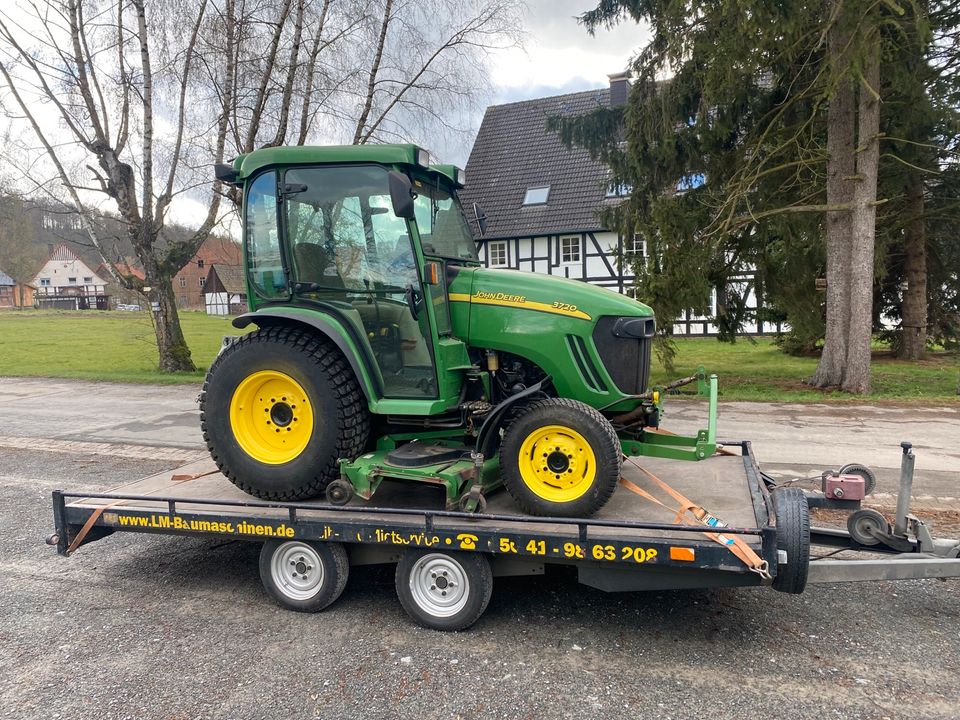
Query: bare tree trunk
x,y
856,377
174,352
841,131
372,78
913,340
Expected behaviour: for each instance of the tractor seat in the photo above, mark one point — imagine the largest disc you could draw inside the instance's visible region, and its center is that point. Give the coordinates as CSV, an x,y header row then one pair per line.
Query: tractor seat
x,y
315,264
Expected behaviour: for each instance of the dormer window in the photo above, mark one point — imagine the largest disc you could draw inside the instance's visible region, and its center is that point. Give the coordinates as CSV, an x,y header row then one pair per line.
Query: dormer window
x,y
537,195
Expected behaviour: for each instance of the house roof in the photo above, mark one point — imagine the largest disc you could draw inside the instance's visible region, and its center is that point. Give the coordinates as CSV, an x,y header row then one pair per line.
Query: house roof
x,y
124,268
514,152
6,279
230,278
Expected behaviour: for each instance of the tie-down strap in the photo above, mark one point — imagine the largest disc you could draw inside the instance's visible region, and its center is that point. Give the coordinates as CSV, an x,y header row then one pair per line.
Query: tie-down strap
x,y
689,513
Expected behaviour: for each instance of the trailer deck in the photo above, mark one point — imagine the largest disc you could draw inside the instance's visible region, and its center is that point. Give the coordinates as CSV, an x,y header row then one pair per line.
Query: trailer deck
x,y
628,530
631,544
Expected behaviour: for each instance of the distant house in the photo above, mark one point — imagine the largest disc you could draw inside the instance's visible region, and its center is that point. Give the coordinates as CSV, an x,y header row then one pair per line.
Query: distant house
x,y
225,290
68,283
188,284
540,200
120,294
14,294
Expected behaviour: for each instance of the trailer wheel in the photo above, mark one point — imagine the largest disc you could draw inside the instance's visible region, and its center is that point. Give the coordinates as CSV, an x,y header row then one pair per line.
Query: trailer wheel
x,y
560,457
279,408
793,537
869,478
444,590
304,576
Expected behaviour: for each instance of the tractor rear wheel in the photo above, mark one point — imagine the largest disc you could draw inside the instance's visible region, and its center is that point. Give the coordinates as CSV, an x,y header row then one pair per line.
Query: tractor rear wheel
x,y
279,408
560,457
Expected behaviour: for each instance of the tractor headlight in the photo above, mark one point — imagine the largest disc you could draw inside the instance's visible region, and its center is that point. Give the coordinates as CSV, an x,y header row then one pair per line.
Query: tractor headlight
x,y
423,158
460,176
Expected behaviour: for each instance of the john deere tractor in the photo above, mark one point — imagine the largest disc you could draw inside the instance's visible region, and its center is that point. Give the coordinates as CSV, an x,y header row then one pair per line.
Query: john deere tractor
x,y
384,349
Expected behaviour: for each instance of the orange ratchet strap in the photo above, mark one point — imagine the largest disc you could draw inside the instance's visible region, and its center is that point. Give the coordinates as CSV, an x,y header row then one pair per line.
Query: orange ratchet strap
x,y
735,545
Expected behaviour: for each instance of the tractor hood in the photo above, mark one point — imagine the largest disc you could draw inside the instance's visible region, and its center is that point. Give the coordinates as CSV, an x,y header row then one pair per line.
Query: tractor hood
x,y
543,294
593,343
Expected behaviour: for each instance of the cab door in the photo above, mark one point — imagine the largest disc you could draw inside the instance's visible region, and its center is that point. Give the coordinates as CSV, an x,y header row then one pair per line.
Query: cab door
x,y
350,252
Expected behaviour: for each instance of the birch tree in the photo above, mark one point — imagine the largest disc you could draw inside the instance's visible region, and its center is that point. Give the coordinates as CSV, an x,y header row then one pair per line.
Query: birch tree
x,y
82,74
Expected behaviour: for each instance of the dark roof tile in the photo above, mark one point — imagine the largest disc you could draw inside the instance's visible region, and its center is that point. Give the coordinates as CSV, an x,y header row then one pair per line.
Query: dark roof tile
x,y
513,151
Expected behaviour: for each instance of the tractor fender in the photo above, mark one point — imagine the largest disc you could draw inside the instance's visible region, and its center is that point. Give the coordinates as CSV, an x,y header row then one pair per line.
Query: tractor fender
x,y
368,380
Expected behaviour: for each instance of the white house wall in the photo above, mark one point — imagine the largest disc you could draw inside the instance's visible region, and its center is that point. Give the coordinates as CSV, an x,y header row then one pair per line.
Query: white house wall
x,y
57,274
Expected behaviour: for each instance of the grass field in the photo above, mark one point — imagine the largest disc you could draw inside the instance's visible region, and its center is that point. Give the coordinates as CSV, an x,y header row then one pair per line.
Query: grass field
x,y
119,346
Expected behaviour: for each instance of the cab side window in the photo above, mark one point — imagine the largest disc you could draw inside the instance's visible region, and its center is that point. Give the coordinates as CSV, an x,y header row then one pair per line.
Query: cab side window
x,y
264,263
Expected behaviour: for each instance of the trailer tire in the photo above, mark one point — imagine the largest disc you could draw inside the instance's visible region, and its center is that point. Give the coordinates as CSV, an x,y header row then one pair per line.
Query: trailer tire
x,y
264,442
444,590
793,536
560,458
304,576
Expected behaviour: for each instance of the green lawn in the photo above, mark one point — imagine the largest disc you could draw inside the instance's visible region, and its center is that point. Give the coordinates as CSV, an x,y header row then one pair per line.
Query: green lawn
x,y
119,346
759,371
91,345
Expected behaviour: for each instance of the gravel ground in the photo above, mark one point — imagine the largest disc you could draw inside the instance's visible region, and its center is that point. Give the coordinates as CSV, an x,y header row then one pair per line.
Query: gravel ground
x,y
177,628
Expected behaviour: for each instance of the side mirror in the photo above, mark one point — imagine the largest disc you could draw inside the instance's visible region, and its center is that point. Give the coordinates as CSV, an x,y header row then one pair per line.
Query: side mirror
x,y
481,217
401,195
225,173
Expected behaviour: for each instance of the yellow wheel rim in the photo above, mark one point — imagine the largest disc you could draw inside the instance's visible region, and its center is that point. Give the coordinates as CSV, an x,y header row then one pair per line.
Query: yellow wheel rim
x,y
271,417
557,463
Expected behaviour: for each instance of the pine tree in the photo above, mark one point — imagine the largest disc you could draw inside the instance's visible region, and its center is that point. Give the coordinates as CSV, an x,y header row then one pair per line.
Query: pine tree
x,y
779,107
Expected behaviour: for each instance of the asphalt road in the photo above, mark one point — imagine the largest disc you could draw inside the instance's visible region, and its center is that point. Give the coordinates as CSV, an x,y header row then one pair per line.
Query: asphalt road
x,y
166,627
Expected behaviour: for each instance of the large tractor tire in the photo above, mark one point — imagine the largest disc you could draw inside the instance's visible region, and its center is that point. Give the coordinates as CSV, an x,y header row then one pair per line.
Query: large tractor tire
x,y
279,408
560,458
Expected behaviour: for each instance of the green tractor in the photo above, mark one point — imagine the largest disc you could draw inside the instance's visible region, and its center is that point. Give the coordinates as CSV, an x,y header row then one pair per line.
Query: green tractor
x,y
385,350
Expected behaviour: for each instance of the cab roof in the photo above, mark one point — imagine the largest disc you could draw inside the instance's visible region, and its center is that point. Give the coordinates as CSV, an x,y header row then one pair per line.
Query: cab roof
x,y
397,154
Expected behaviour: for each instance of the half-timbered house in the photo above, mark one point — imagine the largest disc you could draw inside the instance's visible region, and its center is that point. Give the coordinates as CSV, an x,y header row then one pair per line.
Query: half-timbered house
x,y
534,203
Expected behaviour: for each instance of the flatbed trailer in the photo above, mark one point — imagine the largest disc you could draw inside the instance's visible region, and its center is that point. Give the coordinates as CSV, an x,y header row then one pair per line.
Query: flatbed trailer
x,y
446,560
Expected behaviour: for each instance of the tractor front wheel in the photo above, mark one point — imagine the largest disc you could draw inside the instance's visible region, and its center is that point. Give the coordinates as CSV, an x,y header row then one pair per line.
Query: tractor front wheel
x,y
560,457
278,409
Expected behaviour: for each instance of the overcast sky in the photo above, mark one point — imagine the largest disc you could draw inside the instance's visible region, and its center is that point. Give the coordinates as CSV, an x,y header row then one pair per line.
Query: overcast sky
x,y
559,56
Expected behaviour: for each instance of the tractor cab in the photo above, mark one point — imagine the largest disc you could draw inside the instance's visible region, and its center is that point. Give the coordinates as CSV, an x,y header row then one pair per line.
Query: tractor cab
x,y
364,241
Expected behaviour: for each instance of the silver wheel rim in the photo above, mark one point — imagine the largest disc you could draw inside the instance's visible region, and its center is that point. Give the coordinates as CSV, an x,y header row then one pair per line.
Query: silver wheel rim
x,y
862,529
297,570
439,585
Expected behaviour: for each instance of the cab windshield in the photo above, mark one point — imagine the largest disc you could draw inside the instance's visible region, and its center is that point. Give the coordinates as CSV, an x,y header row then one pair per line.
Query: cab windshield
x,y
443,228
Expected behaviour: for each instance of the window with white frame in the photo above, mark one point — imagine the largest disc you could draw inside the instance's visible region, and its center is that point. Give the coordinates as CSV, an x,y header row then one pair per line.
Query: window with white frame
x,y
497,253
570,249
183,282
88,280
615,190
203,281
635,245
44,282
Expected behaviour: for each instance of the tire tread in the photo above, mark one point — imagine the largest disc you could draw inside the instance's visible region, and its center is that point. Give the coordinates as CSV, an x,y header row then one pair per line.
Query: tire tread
x,y
354,420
